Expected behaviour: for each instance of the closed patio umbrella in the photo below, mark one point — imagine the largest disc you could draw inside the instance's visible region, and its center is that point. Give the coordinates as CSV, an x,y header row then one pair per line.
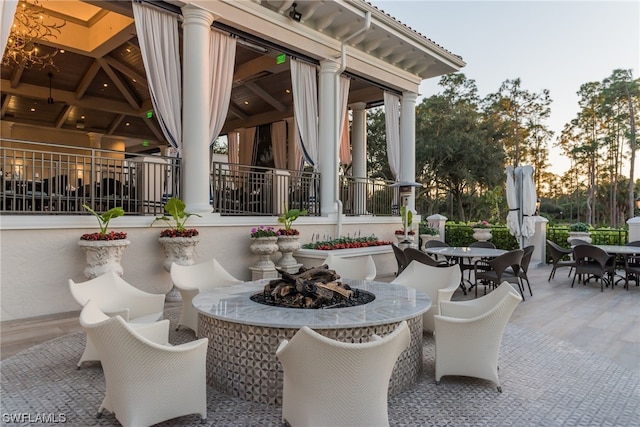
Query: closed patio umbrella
x,y
529,198
513,222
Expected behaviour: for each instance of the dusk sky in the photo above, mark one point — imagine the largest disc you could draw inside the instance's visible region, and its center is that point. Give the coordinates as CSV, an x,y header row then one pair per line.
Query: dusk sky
x,y
555,45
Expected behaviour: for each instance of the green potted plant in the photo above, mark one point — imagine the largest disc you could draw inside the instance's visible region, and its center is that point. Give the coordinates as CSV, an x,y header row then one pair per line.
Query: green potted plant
x,y
176,208
103,250
427,232
287,218
178,242
288,239
406,235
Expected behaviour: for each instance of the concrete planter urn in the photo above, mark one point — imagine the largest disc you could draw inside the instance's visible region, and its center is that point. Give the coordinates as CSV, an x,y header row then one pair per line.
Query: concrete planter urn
x,y
582,235
426,237
264,247
103,256
287,245
180,250
482,234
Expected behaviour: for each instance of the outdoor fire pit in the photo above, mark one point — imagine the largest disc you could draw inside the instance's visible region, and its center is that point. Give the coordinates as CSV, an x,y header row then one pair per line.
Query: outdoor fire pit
x,y
313,288
244,334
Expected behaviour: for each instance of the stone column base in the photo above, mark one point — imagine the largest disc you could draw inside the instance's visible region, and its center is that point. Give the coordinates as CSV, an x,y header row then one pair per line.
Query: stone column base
x,y
263,273
291,269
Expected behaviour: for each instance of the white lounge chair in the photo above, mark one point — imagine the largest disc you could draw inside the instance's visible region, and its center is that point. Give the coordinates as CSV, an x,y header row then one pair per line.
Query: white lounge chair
x,y
438,282
468,334
114,296
327,382
146,382
190,280
358,268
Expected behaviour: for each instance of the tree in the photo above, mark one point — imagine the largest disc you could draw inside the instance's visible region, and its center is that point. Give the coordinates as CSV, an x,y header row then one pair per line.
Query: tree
x,y
523,114
621,95
454,145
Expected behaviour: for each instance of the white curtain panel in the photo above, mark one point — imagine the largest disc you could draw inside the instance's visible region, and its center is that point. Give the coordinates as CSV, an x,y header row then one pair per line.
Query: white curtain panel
x,y
247,145
513,221
222,52
279,144
529,199
7,11
304,83
392,123
345,142
297,154
159,44
344,152
232,146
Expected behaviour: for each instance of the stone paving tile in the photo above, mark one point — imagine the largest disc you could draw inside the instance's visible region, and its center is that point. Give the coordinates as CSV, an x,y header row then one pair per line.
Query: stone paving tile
x,y
546,381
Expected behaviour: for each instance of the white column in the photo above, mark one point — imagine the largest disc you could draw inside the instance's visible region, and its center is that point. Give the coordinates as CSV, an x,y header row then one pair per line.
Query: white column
x,y
359,140
408,142
328,136
634,228
195,109
359,156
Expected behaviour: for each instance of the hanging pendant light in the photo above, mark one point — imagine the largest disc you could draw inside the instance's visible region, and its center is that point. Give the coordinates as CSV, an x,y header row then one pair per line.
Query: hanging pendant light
x,y
50,98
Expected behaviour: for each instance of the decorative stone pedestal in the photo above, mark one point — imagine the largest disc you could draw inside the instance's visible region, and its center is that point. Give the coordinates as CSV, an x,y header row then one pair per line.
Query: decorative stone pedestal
x,y
264,247
181,251
292,269
258,273
287,245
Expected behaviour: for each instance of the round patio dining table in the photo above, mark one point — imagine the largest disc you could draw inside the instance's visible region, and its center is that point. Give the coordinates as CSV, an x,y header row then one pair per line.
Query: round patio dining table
x,y
460,252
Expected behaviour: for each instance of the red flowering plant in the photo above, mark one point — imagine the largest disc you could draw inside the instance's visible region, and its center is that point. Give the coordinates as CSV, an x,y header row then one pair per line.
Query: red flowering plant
x,y
346,243
176,208
287,218
263,231
103,222
481,224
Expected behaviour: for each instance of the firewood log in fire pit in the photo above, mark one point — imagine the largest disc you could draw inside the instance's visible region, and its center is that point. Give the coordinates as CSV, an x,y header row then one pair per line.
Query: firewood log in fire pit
x,y
315,287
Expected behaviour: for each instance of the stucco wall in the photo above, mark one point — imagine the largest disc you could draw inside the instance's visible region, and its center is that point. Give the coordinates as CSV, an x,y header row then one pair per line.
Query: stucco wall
x,y
39,254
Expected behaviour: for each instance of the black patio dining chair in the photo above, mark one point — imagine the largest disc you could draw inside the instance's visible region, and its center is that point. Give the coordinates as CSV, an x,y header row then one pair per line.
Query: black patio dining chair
x,y
593,262
559,259
413,254
401,258
495,275
521,274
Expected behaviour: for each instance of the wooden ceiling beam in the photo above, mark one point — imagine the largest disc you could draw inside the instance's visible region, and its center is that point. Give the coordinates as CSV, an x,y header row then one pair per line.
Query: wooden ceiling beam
x,y
94,103
253,87
62,117
116,80
86,79
115,123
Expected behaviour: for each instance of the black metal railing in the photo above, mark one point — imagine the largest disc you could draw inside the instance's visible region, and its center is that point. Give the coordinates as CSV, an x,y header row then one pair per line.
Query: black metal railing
x,y
40,178
365,196
251,190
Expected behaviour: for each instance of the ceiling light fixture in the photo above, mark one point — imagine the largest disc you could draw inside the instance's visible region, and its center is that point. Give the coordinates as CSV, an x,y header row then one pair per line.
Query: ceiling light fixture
x,y
29,29
294,14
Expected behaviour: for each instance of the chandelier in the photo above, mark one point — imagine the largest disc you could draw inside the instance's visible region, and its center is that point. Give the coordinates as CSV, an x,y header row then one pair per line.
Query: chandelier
x,y
28,31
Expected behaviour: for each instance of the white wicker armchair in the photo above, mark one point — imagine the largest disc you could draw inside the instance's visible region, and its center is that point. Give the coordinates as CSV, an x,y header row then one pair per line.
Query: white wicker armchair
x,y
360,268
146,382
190,280
114,296
438,282
327,382
468,334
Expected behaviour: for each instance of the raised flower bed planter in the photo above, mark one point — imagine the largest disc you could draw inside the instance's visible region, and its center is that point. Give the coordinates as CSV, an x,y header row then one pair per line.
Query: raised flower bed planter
x,y
382,256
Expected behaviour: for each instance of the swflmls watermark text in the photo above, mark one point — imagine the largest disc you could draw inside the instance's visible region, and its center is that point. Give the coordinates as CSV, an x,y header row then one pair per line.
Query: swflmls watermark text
x,y
34,418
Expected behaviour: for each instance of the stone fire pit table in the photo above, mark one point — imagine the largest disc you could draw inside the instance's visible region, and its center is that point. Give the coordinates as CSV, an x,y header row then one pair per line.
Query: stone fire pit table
x,y
244,335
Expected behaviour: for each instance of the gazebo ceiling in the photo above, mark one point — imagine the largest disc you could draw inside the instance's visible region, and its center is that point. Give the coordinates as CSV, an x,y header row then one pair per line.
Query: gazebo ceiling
x,y
99,83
